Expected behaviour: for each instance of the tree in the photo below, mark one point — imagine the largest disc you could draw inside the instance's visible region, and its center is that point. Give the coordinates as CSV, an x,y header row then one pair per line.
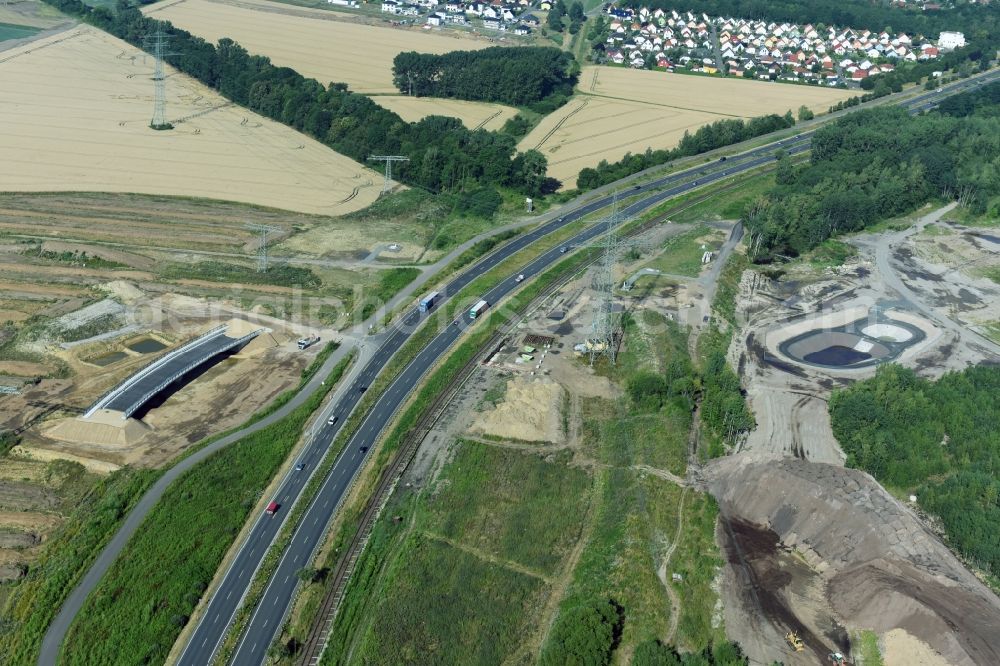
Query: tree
x,y
805,113
555,18
655,653
584,635
576,12
648,390
531,167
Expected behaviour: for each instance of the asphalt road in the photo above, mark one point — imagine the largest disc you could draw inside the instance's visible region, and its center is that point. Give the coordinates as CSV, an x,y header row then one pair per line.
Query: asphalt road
x,y
270,612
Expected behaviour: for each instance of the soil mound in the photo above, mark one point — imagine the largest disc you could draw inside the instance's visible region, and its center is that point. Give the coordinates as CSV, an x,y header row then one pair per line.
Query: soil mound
x,y
822,549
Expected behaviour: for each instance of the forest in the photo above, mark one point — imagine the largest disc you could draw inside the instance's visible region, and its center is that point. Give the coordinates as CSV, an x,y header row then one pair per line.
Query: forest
x,y
707,137
877,164
936,439
444,155
535,76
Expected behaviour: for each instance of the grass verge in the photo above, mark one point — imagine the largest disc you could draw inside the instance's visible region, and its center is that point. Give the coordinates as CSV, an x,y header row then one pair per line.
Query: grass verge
x,y
728,205
34,601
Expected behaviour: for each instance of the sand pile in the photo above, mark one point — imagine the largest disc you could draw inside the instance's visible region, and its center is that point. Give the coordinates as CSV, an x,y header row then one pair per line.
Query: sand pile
x,y
126,291
902,649
106,429
530,411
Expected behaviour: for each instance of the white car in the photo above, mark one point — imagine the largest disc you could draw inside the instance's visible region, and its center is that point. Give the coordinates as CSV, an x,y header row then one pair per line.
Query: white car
x,y
519,278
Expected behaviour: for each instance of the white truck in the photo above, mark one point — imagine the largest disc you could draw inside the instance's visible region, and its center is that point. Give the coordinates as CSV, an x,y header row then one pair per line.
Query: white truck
x,y
308,341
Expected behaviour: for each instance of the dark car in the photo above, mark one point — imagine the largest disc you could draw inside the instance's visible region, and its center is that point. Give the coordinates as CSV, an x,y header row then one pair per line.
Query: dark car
x,y
299,467
722,159
364,449
362,389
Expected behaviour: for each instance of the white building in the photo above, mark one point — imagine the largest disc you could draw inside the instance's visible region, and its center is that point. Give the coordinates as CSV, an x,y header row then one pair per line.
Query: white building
x,y
951,40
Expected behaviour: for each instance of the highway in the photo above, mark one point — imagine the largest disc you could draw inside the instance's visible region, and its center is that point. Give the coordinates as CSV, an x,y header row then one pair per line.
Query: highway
x,y
279,593
267,618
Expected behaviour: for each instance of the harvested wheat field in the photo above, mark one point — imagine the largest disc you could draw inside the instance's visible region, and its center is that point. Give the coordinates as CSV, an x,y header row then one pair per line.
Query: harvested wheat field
x,y
741,98
475,115
619,111
74,116
316,43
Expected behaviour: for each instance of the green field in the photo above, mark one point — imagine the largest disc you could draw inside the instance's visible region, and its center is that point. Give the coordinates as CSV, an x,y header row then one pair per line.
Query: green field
x,y
681,255
637,517
445,606
11,31
472,567
510,505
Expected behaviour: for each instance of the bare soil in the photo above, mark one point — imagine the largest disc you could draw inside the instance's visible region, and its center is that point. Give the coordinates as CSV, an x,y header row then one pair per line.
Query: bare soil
x,y
829,551
529,411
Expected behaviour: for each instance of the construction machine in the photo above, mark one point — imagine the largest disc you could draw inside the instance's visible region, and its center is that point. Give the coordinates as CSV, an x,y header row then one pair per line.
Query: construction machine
x,y
794,640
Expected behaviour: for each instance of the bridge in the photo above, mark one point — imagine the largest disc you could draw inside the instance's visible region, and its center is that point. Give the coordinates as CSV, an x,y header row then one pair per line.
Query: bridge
x,y
138,389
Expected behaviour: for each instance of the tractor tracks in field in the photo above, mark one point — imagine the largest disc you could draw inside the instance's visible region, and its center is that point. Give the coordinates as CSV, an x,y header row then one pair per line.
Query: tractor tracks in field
x,y
562,121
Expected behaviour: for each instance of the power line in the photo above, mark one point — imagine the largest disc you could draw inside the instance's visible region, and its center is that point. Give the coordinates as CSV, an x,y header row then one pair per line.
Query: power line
x,y
388,159
263,230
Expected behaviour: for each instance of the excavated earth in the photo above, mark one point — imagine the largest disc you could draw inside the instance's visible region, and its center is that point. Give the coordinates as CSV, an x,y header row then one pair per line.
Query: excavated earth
x,y
825,551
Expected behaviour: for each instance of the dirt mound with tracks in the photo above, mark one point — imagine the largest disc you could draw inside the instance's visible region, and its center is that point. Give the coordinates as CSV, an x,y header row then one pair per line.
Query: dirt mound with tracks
x,y
825,551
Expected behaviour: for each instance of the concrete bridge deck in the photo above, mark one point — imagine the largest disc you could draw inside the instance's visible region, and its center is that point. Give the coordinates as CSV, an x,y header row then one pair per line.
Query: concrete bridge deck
x,y
129,396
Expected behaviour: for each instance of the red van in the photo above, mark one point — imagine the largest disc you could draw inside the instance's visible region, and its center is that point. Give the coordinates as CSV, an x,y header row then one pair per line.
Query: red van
x,y
272,508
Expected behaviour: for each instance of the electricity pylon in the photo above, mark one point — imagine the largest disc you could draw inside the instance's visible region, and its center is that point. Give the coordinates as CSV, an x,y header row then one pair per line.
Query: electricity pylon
x,y
157,43
263,230
388,159
606,324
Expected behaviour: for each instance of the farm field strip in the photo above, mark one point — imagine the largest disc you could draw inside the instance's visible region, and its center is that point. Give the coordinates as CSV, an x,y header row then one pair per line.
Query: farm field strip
x,y
619,111
475,115
327,50
724,96
607,129
76,114
330,47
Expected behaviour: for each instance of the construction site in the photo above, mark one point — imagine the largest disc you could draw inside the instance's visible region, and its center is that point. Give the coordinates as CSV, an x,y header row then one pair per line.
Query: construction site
x,y
818,553
817,563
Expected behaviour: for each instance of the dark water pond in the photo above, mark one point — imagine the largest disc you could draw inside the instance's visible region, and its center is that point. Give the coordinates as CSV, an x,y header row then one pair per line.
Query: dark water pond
x,y
147,346
108,359
837,355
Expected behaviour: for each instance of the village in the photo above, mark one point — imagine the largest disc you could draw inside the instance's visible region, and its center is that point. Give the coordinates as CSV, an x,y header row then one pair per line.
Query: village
x,y
499,15
830,55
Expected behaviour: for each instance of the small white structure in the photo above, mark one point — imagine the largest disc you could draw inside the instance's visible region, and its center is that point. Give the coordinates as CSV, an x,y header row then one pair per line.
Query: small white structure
x,y
951,40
